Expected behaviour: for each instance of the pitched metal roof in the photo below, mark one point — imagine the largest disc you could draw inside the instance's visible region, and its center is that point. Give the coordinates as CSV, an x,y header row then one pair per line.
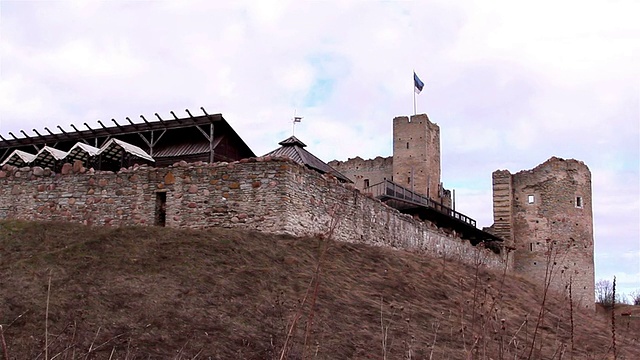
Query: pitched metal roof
x,y
293,148
201,147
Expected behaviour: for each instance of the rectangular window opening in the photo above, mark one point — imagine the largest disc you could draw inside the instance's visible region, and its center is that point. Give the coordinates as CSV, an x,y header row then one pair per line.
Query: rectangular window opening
x,y
579,202
531,199
530,246
161,209
366,183
407,145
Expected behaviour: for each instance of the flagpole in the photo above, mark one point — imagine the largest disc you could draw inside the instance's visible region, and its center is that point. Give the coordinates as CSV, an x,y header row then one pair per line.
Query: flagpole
x,y
295,119
293,126
414,94
414,103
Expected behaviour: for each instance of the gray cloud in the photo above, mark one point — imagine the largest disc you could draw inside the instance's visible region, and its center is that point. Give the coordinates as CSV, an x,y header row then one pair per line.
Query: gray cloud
x,y
509,84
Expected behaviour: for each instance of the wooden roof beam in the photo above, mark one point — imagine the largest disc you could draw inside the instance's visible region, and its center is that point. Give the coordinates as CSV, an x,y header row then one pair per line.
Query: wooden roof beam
x,y
118,125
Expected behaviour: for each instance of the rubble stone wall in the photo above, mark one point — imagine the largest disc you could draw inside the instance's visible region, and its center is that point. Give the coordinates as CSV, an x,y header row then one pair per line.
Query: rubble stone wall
x,y
267,195
361,172
551,223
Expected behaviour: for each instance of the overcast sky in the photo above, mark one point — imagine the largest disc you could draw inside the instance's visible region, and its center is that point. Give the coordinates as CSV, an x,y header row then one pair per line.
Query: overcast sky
x,y
510,83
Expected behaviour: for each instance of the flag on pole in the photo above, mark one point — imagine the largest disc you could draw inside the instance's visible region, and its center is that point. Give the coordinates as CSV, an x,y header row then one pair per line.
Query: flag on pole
x,y
297,119
417,83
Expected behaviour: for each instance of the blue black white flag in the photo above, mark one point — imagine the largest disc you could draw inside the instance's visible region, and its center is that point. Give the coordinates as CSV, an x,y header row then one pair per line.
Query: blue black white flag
x,y
417,83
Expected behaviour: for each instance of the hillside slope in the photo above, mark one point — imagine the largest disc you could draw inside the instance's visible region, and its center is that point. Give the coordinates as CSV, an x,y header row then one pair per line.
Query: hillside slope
x,y
139,293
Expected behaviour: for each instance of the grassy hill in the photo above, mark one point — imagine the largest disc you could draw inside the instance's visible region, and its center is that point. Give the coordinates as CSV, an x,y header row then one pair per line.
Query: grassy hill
x,y
158,293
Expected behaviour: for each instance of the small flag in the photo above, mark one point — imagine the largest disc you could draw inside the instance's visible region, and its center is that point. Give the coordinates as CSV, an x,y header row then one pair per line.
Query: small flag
x,y
297,119
417,83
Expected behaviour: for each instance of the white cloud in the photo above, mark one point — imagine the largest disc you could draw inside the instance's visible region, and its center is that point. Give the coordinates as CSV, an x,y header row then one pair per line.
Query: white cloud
x,y
510,84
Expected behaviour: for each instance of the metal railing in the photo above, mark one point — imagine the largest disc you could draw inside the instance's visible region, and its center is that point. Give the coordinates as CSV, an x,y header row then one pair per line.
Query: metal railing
x,y
389,189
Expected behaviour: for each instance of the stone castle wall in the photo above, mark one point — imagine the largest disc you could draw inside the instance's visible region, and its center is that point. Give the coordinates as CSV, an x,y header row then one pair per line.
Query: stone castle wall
x,y
547,211
268,195
415,163
365,173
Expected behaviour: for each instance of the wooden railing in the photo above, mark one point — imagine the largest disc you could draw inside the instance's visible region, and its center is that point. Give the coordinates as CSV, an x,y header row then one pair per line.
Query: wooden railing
x,y
390,190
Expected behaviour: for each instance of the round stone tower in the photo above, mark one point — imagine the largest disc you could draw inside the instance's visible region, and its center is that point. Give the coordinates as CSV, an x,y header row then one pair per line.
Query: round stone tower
x,y
546,214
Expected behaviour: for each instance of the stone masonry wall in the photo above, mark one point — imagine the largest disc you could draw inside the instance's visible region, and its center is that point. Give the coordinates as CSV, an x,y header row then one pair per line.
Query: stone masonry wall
x,y
317,201
268,195
552,209
502,205
416,154
361,171
88,197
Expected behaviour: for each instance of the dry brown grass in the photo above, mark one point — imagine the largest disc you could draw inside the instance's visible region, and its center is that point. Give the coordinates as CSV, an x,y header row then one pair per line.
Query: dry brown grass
x,y
139,293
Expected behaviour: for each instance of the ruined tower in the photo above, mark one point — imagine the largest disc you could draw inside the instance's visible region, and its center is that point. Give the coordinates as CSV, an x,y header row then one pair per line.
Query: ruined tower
x,y
546,214
416,155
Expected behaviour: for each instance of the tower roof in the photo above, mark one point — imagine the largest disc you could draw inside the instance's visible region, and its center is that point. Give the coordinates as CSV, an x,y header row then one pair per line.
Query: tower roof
x,y
293,148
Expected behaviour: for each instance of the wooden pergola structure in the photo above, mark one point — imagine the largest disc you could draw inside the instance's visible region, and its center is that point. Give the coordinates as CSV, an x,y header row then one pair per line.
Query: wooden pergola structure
x,y
206,137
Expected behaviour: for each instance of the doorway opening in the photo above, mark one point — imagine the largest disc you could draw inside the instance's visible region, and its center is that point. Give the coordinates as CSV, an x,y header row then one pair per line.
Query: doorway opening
x,y
161,209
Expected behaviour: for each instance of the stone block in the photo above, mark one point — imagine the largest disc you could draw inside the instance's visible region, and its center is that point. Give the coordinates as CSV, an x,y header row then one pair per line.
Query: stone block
x,y
66,169
77,167
169,179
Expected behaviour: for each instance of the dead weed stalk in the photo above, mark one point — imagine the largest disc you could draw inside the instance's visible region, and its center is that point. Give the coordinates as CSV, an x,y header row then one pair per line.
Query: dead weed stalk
x,y
311,293
613,320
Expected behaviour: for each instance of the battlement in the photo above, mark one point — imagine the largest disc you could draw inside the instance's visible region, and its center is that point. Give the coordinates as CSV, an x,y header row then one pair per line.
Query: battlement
x,y
417,119
360,163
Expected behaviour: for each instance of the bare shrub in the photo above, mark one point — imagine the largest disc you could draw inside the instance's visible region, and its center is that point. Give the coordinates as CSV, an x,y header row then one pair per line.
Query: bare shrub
x,y
605,294
635,297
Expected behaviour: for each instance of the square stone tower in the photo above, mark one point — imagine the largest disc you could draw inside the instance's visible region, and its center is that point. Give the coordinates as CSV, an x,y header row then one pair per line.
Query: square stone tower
x,y
546,214
416,155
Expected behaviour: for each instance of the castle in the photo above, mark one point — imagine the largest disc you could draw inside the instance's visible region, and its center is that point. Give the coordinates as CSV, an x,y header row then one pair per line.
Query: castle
x,y
415,163
543,216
